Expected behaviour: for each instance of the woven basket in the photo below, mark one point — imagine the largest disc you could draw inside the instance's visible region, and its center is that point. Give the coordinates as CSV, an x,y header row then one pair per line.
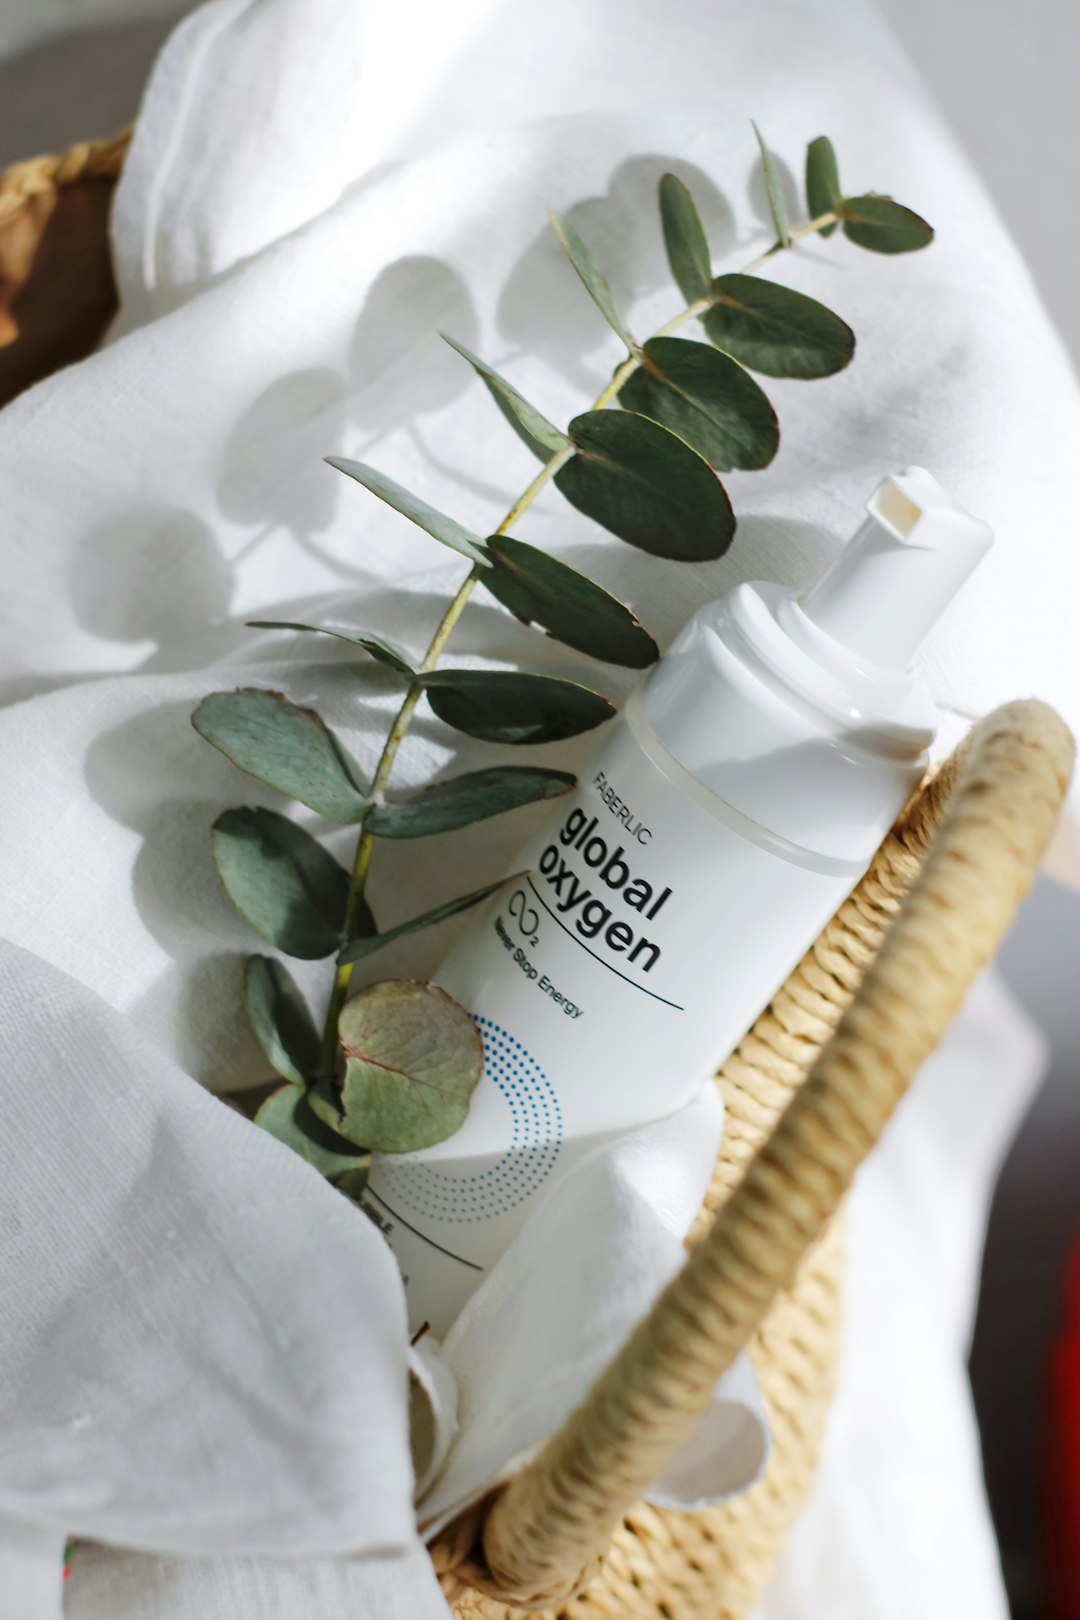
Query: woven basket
x,y
807,1094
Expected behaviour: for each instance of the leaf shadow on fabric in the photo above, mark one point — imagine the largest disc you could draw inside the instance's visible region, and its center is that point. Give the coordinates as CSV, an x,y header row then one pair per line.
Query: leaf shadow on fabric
x,y
623,230
155,574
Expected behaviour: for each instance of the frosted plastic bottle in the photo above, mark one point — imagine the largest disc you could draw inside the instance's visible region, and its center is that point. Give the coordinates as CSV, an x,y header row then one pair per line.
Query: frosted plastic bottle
x,y
725,817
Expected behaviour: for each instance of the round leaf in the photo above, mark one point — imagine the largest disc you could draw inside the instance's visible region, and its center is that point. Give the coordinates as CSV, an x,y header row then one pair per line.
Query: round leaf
x,y
592,277
357,949
707,399
436,523
513,708
287,1116
822,180
279,1016
570,606
466,799
287,747
281,881
884,226
685,240
647,486
532,428
384,652
778,331
413,1058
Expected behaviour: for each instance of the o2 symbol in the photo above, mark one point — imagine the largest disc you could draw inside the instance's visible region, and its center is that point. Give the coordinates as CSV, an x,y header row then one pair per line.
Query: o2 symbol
x,y
528,918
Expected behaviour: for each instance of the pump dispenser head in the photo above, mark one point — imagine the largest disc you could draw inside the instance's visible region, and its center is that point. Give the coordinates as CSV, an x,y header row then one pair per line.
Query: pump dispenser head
x,y
894,579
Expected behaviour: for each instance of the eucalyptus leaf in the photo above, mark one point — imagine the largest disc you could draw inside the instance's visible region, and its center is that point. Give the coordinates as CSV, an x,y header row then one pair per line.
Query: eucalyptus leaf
x,y
774,190
514,708
592,277
356,949
884,226
571,607
822,180
465,799
775,330
531,427
281,881
287,1115
648,486
279,1016
685,240
413,1058
707,399
437,524
286,747
385,652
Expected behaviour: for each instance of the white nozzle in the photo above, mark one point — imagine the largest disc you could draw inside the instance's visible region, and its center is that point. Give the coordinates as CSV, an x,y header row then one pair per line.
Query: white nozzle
x,y
895,578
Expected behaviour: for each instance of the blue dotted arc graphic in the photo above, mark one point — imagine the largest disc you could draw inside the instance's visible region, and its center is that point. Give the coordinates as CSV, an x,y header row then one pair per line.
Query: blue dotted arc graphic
x,y
536,1133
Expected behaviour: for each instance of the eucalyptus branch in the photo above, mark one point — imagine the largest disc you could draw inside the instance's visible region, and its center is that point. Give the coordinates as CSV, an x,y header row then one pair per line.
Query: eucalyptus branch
x,y
647,472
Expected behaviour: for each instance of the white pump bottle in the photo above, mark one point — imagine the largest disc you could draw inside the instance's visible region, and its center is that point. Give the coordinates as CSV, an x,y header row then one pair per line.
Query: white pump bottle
x,y
726,816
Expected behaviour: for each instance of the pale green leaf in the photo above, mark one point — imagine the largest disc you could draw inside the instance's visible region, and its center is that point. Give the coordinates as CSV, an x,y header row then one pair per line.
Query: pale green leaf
x,y
531,427
356,949
413,1058
465,799
281,881
286,747
592,277
437,524
279,1017
385,652
287,1114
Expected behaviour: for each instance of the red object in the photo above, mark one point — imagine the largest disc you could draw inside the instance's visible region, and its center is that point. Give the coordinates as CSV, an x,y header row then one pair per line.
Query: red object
x,y
1061,1460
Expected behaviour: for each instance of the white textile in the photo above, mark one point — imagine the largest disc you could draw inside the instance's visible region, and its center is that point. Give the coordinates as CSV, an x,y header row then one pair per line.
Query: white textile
x,y
314,190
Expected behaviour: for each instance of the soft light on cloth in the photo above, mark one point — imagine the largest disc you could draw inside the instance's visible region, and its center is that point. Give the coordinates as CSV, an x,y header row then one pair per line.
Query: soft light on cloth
x,y
313,192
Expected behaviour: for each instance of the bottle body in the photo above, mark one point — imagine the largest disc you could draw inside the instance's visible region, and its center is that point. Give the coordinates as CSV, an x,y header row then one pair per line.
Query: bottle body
x,y
647,929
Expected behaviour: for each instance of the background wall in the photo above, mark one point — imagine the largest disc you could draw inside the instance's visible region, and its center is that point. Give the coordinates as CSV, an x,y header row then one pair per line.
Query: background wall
x,y
1006,77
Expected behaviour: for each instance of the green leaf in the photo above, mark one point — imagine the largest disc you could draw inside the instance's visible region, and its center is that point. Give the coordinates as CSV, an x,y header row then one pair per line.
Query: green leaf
x,y
884,226
287,747
773,329
646,485
385,652
437,524
570,606
288,1116
279,1016
822,180
685,240
465,799
592,277
281,881
356,949
532,428
514,708
707,399
413,1058
774,190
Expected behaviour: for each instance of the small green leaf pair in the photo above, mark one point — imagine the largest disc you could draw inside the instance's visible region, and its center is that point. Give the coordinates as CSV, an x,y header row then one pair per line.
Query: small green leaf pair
x,y
870,221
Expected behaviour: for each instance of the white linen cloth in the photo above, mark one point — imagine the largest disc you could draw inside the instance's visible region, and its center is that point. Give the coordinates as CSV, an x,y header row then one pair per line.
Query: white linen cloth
x,y
314,189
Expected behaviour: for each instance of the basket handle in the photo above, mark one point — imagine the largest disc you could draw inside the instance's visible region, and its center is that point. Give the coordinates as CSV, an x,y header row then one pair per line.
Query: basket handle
x,y
548,1527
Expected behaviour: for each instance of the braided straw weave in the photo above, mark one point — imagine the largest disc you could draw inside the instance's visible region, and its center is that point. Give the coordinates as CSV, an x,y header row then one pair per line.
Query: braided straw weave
x,y
857,1017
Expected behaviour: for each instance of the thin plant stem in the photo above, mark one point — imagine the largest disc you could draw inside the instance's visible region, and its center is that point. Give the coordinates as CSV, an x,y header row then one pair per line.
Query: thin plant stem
x,y
403,718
